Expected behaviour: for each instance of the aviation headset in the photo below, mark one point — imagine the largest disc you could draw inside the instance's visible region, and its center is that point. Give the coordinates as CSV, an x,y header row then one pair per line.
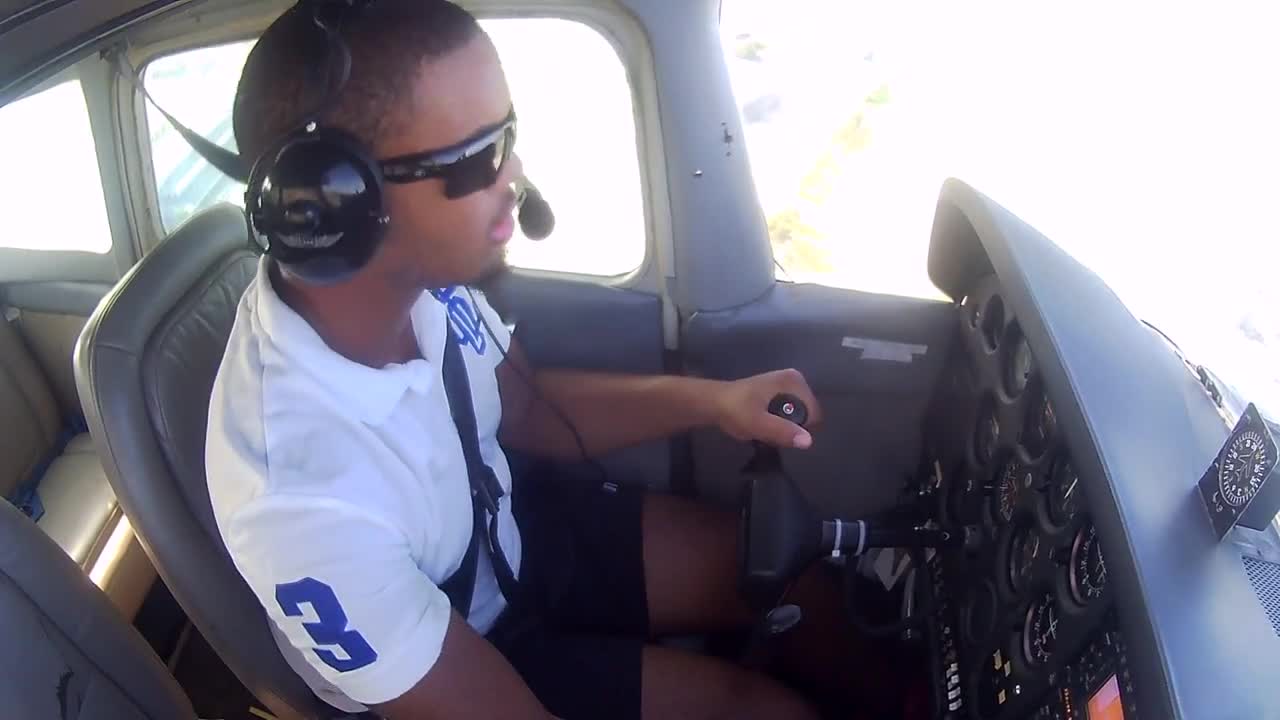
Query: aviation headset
x,y
314,199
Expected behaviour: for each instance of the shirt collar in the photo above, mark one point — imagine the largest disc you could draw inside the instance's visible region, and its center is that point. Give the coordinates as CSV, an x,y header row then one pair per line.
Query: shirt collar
x,y
370,393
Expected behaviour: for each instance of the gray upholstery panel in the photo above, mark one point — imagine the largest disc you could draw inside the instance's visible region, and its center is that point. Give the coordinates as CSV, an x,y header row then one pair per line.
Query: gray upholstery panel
x,y
870,441
586,326
144,367
67,653
59,297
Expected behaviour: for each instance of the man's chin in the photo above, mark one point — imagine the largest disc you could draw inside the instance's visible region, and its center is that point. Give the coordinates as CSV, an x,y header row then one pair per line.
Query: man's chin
x,y
494,272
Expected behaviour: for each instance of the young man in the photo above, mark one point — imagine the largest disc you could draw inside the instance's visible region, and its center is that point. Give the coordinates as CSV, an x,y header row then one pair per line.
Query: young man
x,y
337,475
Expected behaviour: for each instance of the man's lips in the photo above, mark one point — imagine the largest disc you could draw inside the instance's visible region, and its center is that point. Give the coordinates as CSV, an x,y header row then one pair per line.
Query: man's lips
x,y
505,225
502,232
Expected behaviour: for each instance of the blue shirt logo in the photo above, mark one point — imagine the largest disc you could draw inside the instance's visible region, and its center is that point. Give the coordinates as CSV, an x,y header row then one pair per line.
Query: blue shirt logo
x,y
464,318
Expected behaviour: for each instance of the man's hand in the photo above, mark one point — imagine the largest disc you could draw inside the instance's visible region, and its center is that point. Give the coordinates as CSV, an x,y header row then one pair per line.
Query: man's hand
x,y
742,409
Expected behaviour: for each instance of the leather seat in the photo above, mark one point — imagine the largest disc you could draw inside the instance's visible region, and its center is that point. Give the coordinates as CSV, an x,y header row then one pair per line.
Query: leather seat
x,y
66,651
79,507
145,367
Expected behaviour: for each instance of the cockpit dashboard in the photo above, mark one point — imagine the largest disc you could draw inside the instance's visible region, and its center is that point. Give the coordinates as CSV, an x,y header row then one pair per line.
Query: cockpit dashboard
x,y
1072,437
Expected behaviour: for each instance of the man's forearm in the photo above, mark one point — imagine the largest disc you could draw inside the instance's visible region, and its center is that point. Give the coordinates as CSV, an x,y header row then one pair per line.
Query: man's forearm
x,y
613,411
610,411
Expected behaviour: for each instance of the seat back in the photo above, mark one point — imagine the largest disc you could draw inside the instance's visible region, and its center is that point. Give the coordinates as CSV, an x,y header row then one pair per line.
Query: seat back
x,y
67,653
28,412
145,367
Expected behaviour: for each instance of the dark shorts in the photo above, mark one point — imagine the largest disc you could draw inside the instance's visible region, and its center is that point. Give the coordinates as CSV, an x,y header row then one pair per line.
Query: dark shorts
x,y
579,631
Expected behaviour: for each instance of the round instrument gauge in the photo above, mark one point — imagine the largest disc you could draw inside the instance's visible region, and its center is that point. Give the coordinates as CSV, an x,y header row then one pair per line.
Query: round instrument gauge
x,y
979,614
964,499
992,322
1243,468
1011,479
1087,573
1040,631
1041,425
1018,364
986,434
1064,492
1024,548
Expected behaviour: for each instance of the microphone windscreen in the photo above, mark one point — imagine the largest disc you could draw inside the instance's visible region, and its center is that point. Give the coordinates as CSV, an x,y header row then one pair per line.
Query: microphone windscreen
x,y
535,216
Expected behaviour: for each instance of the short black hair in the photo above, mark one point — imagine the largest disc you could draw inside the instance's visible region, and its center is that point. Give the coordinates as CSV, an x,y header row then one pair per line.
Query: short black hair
x,y
388,40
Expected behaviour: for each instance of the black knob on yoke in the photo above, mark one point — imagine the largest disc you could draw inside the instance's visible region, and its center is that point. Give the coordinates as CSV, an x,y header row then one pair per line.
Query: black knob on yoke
x,y
789,407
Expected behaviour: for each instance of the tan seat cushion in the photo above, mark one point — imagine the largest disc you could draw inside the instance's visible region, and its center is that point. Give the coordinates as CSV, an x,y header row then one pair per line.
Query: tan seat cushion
x,y
79,504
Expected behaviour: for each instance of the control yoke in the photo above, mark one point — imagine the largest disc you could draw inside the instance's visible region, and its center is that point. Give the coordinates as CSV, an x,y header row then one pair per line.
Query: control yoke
x,y
781,534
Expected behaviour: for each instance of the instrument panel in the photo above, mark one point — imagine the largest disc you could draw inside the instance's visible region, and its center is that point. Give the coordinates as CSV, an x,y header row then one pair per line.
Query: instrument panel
x,y
1020,613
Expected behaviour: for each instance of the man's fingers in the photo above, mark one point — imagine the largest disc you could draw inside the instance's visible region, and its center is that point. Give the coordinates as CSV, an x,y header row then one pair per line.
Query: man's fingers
x,y
782,433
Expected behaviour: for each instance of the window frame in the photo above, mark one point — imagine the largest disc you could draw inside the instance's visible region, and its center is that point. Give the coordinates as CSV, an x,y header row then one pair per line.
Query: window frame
x,y
622,32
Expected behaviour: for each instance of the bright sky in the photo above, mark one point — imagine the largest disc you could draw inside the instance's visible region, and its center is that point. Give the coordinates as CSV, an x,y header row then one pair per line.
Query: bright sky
x,y
1143,138
577,142
55,184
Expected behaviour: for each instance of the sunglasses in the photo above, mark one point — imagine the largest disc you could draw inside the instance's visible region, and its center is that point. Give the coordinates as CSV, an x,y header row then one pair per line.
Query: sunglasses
x,y
471,165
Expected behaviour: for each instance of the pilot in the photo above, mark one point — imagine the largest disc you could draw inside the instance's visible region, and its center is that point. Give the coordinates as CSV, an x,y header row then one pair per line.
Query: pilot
x,y
336,469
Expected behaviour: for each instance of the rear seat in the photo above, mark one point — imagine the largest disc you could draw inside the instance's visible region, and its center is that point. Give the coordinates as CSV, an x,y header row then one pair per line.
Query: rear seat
x,y
80,508
49,467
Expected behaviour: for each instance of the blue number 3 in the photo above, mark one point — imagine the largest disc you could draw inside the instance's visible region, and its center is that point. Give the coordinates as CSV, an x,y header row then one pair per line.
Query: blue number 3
x,y
331,627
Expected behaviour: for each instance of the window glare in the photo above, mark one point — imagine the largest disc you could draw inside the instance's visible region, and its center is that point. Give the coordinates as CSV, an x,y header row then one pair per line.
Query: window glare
x,y
823,126
198,87
1091,121
52,187
577,143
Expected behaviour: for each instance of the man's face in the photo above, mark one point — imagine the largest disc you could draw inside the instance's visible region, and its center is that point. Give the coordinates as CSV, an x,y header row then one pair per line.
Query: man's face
x,y
434,239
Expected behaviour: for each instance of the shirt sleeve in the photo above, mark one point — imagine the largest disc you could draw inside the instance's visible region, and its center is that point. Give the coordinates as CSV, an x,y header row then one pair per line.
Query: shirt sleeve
x,y
341,585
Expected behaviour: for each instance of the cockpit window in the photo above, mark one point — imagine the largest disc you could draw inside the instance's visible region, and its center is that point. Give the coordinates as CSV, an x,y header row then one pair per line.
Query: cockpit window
x,y
51,173
198,87
1143,143
827,119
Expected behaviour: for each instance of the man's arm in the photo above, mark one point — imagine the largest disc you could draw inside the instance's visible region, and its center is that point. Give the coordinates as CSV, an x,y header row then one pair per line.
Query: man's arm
x,y
470,679
341,584
613,411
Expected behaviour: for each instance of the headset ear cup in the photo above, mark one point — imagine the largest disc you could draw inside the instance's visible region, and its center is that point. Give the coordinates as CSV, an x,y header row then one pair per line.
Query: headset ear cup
x,y
316,202
253,201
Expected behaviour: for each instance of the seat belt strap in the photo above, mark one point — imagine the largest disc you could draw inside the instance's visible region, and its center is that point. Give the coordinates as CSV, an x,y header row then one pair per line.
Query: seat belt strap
x,y
486,491
229,163
461,584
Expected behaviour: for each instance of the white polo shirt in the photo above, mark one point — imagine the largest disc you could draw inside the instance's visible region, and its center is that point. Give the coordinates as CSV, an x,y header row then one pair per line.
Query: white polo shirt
x,y
342,495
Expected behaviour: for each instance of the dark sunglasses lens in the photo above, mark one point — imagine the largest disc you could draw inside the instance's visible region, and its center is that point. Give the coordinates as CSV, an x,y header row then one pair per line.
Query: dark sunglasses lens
x,y
479,171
